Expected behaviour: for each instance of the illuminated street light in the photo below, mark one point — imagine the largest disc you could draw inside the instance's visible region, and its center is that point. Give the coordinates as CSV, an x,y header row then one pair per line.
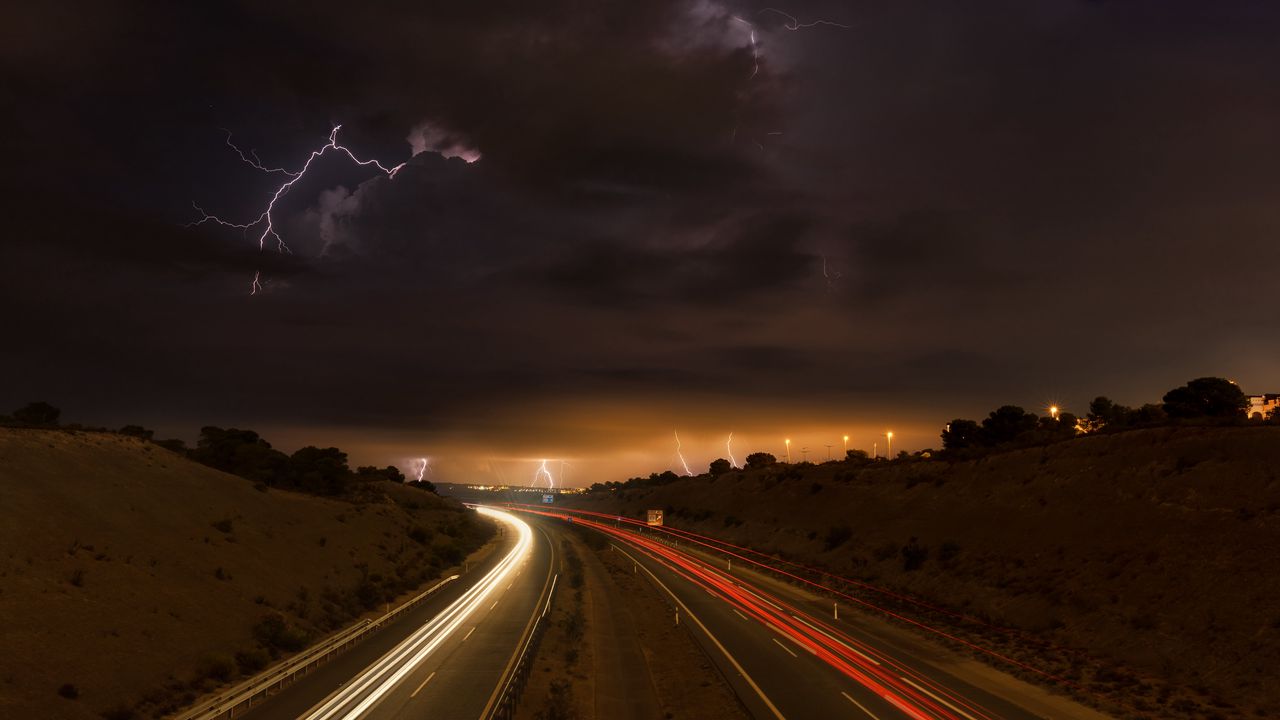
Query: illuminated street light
x,y
788,451
889,451
1053,411
846,444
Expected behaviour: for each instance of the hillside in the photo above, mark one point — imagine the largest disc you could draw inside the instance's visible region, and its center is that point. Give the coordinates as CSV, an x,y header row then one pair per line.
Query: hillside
x,y
137,576
1152,552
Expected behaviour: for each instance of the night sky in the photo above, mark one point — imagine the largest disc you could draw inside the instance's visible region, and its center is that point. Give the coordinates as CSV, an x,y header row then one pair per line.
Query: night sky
x,y
938,208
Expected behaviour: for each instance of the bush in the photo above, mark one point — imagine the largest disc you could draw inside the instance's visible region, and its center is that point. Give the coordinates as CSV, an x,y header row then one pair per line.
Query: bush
x,y
77,577
222,526
37,413
837,535
69,691
217,667
251,661
913,555
421,534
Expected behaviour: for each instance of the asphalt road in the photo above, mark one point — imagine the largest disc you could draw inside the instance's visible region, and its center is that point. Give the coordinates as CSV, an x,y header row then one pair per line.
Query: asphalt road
x,y
787,658
444,658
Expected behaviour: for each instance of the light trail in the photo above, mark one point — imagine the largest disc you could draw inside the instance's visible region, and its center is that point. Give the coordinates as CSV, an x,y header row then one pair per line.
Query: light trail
x,y
363,692
680,455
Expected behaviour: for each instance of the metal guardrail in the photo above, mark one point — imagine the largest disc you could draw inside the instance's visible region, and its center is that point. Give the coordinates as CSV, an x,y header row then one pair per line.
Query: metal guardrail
x,y
505,707
241,697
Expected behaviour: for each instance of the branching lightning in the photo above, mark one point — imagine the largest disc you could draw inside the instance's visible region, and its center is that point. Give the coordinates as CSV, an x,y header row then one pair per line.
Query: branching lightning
x,y
422,469
795,24
728,446
266,220
680,455
543,472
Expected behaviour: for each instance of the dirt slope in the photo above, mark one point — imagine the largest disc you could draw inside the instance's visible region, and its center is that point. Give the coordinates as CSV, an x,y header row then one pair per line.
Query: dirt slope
x,y
125,568
1152,550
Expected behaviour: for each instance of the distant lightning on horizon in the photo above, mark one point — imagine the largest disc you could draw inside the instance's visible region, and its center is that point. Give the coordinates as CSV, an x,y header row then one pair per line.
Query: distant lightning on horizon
x,y
728,446
423,469
543,472
680,455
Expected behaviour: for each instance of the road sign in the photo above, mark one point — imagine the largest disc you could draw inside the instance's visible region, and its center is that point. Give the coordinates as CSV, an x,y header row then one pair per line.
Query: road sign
x,y
655,517
548,498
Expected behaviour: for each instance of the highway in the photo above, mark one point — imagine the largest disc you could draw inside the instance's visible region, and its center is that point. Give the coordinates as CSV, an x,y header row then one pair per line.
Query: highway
x,y
788,659
447,657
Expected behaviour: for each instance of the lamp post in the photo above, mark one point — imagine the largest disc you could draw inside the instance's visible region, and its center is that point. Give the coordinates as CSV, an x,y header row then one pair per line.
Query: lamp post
x,y
788,451
889,452
846,444
1053,411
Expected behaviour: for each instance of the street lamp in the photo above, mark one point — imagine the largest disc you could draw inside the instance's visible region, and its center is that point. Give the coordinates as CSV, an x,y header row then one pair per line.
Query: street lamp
x,y
889,452
788,451
846,445
1053,411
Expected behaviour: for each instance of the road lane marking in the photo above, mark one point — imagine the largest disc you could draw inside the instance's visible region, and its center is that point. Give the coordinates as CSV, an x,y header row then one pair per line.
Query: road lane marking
x,y
860,707
473,629
935,697
735,610
414,694
734,661
784,647
836,639
494,605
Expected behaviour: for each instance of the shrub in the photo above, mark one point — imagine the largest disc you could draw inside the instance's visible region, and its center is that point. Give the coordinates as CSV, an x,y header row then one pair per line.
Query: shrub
x,y
218,667
837,535
222,526
913,555
69,691
77,577
251,661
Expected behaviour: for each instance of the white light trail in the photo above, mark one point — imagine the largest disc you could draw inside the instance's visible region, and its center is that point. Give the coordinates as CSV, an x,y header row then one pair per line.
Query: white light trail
x,y
364,691
680,455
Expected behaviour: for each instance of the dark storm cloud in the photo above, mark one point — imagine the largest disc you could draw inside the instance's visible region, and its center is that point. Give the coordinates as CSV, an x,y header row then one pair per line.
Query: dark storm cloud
x,y
938,209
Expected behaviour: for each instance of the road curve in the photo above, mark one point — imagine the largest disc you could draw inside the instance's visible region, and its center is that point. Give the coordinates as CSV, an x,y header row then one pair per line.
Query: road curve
x,y
448,658
785,660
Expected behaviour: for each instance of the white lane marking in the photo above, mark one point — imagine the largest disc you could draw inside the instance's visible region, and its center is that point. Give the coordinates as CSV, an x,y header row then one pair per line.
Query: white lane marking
x,y
860,707
414,694
473,629
744,617
494,605
836,639
935,697
784,647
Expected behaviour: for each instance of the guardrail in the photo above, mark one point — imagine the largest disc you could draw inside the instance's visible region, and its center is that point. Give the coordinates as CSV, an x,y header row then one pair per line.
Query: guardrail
x,y
241,697
509,698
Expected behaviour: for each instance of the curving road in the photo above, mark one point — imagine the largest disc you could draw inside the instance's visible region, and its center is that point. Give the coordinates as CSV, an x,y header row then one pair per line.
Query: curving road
x,y
447,657
787,658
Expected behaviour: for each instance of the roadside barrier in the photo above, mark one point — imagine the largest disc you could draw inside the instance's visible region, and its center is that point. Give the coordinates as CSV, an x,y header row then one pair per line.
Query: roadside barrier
x,y
234,700
505,707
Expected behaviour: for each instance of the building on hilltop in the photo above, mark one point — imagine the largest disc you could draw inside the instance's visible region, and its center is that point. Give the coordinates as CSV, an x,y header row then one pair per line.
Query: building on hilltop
x,y
1261,406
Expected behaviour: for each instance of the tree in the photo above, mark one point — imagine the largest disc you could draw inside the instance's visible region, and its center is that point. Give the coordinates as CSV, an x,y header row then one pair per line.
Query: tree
x,y
320,470
37,413
856,455
1274,416
1206,397
136,431
243,453
755,461
369,473
720,466
1005,424
960,434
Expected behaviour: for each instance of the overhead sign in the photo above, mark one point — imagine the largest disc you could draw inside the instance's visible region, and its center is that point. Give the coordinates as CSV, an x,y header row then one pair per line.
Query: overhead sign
x,y
548,498
655,517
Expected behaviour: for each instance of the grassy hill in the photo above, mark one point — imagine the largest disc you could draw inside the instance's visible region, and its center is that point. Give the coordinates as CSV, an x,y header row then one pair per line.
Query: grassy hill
x,y
1153,551
140,578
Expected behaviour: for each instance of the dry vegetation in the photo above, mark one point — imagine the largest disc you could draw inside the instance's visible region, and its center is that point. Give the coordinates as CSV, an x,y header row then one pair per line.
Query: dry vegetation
x,y
1147,556
132,579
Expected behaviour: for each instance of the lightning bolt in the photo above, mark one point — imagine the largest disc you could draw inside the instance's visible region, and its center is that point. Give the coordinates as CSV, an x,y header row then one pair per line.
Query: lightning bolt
x,y
423,469
728,446
543,472
680,455
256,285
266,220
797,25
